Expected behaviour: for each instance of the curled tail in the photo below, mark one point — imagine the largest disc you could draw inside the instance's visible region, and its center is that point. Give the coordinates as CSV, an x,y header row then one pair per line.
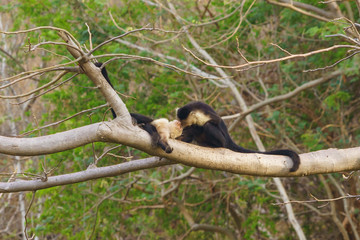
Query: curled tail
x,y
291,154
283,152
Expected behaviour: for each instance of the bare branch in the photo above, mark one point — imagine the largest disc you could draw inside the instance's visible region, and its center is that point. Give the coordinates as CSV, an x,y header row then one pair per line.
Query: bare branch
x,y
299,7
42,70
33,48
233,32
283,97
27,212
61,121
347,38
325,161
210,22
89,174
333,208
177,182
197,71
46,91
285,51
346,207
44,27
201,227
125,34
37,89
334,64
135,57
52,143
105,153
18,80
90,36
316,200
293,56
95,75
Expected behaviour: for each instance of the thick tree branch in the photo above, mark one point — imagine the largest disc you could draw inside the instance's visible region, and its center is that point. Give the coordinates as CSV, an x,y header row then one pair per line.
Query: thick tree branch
x,y
325,161
83,176
52,143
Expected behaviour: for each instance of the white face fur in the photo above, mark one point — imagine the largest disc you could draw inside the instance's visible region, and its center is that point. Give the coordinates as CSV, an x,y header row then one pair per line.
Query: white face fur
x,y
195,118
167,129
175,129
162,127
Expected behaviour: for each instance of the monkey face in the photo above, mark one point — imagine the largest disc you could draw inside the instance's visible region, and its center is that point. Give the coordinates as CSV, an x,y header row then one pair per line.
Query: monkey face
x,y
175,129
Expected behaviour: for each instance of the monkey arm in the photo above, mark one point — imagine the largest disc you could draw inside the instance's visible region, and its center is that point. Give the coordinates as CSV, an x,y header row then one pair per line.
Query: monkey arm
x,y
141,119
213,135
187,134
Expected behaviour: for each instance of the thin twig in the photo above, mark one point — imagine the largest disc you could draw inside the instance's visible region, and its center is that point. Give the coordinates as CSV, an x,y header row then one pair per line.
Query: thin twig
x,y
52,43
238,50
297,9
105,153
283,97
285,51
135,57
41,28
37,89
294,56
90,36
42,70
354,41
48,90
334,64
61,121
242,17
120,36
27,212
320,200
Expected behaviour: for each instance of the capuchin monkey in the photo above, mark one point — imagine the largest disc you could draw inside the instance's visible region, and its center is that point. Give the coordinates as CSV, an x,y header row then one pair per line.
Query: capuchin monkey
x,y
204,126
160,130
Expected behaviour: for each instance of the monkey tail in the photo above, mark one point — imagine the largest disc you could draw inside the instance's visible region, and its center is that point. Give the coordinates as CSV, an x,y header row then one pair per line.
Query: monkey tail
x,y
113,113
283,152
106,76
291,154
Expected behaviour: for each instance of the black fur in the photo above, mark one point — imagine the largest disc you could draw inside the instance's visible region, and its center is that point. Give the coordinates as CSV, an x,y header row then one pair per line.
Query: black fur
x,y
142,121
214,133
105,75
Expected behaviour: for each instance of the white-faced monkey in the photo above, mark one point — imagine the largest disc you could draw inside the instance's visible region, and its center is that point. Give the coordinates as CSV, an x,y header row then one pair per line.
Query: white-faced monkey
x,y
204,126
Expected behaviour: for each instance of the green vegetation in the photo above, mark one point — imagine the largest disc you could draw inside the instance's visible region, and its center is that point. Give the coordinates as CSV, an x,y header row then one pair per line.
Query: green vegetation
x,y
134,206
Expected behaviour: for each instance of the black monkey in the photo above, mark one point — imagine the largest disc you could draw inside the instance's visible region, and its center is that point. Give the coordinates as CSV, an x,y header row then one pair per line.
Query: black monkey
x,y
204,126
160,130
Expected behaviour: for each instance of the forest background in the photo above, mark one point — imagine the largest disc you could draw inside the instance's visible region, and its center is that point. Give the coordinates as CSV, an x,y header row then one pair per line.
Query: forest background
x,y
281,73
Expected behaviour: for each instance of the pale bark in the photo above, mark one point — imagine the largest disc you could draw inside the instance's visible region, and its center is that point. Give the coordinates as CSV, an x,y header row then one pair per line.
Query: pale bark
x,y
323,161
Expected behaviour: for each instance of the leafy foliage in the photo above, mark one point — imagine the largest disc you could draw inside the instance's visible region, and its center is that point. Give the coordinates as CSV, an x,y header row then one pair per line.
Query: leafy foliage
x,y
134,205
